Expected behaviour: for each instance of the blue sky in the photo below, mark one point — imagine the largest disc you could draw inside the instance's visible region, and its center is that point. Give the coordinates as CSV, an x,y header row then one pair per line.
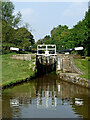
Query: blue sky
x,y
44,16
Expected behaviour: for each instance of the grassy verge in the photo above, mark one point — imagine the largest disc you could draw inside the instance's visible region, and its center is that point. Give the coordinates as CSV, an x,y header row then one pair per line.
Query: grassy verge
x,y
15,70
83,65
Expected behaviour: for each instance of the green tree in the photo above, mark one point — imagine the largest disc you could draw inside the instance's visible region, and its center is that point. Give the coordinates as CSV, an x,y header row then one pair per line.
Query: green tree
x,y
9,22
12,34
23,38
7,8
57,35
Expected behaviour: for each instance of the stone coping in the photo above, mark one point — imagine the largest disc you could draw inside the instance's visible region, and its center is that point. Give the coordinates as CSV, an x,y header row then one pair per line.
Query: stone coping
x,y
74,78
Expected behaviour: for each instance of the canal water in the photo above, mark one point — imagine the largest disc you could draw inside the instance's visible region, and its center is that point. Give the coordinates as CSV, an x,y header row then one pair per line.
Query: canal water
x,y
45,97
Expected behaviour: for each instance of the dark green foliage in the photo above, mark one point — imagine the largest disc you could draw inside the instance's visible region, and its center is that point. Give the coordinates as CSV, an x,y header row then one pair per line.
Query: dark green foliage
x,y
7,8
7,11
12,35
23,38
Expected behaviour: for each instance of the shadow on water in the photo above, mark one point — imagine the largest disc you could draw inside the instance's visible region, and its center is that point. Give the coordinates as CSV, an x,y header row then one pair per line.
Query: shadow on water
x,y
45,97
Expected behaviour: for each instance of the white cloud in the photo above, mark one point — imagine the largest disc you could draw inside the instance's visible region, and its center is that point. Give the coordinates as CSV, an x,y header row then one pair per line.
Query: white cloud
x,y
29,15
75,9
74,13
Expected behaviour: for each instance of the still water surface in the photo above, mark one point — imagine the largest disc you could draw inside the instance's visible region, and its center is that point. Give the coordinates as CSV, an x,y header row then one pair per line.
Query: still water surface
x,y
45,97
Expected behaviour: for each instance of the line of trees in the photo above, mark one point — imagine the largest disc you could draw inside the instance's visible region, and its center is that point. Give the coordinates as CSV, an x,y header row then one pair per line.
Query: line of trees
x,y
12,33
16,36
70,38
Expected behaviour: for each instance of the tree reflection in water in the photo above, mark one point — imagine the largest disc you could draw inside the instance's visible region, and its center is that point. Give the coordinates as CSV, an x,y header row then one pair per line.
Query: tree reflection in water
x,y
45,93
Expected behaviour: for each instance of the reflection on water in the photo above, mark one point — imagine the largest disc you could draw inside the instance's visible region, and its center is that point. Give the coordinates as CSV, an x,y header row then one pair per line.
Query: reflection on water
x,y
45,97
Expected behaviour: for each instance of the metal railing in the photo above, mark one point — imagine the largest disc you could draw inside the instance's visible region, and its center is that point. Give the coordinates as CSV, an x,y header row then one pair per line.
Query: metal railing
x,y
46,50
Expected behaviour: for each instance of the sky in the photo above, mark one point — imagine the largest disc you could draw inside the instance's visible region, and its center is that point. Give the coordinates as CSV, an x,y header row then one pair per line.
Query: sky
x,y
44,16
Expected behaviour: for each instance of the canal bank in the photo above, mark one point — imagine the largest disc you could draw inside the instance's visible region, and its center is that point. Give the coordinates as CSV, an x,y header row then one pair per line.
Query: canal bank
x,y
75,79
17,68
68,71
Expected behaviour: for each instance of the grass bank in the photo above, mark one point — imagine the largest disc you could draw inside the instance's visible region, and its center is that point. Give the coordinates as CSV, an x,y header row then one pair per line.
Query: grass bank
x,y
14,71
83,65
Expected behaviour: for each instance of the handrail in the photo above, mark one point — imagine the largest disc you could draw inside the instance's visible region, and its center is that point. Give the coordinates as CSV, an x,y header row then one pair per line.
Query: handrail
x,y
48,50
